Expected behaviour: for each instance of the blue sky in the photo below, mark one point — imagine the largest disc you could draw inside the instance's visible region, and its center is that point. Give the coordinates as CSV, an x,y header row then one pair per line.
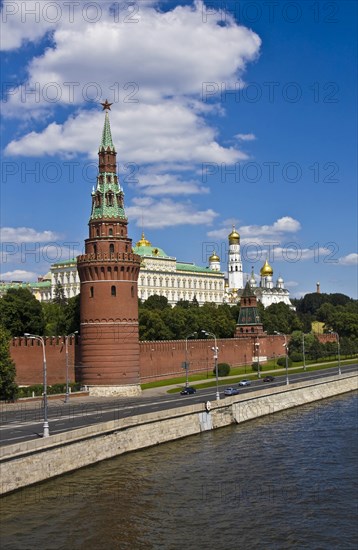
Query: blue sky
x,y
226,112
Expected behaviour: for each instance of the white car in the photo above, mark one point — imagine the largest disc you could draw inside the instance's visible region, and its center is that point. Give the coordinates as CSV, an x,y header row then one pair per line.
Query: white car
x,y
245,383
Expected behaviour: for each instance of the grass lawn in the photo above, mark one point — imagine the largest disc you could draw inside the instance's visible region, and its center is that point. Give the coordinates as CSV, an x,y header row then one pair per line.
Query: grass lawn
x,y
238,373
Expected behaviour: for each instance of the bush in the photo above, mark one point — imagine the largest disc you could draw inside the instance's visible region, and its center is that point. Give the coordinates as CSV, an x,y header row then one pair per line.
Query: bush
x,y
281,361
255,366
296,357
223,369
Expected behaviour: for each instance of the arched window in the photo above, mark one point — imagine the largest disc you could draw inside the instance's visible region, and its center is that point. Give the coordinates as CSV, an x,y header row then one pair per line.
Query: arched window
x,y
95,248
111,248
132,291
113,290
97,232
91,292
110,231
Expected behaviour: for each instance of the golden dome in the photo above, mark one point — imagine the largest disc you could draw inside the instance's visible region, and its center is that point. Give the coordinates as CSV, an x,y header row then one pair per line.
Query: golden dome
x,y
234,237
143,241
266,270
214,258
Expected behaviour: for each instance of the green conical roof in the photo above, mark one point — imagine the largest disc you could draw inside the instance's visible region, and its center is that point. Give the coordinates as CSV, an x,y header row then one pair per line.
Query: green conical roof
x,y
108,197
107,135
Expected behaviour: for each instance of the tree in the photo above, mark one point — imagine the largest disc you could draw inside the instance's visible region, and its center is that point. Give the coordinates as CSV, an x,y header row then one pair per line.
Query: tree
x,y
60,297
8,386
21,312
152,326
281,318
156,302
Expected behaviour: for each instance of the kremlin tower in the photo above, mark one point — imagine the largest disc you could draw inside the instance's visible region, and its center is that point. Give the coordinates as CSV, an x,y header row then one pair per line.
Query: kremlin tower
x,y
108,272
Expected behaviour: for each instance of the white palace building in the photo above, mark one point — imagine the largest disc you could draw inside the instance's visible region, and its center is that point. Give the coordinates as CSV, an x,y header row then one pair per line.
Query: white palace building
x,y
164,275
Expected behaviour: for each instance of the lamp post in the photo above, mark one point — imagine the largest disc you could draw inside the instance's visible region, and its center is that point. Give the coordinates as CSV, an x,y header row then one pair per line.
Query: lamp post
x,y
257,346
286,348
46,429
215,350
303,351
67,396
338,351
186,358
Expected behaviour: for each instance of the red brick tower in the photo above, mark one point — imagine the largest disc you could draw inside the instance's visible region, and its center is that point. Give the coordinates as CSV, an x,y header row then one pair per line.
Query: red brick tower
x,y
108,273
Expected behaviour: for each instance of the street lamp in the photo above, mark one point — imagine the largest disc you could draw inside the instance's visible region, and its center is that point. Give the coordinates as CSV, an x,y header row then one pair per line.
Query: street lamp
x,y
186,358
67,397
46,430
338,351
303,351
257,346
286,347
215,350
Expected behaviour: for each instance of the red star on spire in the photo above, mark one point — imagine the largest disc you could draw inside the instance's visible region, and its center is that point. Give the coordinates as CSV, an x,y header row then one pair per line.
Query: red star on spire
x,y
106,106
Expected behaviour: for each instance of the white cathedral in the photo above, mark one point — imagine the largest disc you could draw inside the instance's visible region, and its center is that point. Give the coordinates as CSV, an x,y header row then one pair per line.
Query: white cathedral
x,y
164,275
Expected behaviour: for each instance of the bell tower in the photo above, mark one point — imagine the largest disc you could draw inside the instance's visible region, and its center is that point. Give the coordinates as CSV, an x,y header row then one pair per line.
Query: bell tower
x,y
108,272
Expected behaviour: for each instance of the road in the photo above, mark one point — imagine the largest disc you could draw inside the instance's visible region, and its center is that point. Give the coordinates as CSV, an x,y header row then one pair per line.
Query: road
x,y
24,421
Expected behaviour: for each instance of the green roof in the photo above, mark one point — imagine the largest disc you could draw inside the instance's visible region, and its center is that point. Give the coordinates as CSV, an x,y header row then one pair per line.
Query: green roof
x,y
65,262
107,135
181,266
43,284
111,198
153,251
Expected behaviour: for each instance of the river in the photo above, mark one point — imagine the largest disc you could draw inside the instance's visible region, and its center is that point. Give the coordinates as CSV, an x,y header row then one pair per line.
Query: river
x,y
285,481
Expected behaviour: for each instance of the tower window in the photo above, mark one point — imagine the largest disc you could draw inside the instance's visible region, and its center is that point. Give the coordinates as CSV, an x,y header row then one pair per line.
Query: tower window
x,y
110,231
97,232
113,290
111,248
91,292
95,248
132,291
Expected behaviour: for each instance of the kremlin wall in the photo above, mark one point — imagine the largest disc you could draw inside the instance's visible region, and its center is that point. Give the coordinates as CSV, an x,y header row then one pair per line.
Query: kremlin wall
x,y
157,360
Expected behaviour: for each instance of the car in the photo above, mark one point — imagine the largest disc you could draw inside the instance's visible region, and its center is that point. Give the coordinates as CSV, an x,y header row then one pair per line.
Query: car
x,y
268,379
231,391
188,391
245,383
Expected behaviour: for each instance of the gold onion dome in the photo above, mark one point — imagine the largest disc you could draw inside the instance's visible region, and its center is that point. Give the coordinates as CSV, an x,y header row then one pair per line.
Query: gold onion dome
x,y
234,237
266,270
214,258
143,241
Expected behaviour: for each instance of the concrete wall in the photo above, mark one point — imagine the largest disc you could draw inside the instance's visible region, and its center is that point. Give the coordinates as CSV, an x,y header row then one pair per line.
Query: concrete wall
x,y
30,462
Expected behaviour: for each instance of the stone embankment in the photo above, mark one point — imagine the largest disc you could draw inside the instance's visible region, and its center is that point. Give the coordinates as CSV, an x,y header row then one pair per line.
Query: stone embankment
x,y
34,461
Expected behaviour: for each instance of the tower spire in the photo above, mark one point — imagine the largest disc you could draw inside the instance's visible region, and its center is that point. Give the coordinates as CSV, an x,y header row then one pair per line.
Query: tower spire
x,y
108,198
106,135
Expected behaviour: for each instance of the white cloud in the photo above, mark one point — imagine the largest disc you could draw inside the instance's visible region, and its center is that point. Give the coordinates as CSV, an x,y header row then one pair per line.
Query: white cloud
x,y
17,25
259,234
168,184
19,275
285,224
167,213
148,134
21,235
246,137
157,72
349,259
